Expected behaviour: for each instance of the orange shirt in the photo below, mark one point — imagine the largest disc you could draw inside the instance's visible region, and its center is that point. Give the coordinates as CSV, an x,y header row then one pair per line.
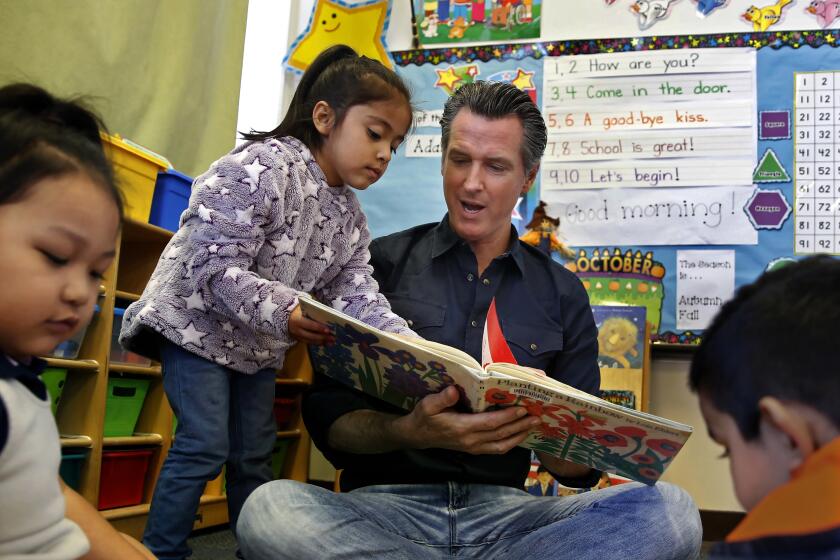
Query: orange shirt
x,y
808,504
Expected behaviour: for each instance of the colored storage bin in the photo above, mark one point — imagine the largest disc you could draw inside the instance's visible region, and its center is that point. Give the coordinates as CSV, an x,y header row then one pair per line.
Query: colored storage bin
x,y
136,171
172,196
120,355
283,409
71,468
278,458
69,349
54,379
123,477
123,405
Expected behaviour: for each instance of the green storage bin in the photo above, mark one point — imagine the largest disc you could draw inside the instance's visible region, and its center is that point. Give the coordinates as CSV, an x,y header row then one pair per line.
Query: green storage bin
x,y
71,469
123,405
278,458
54,379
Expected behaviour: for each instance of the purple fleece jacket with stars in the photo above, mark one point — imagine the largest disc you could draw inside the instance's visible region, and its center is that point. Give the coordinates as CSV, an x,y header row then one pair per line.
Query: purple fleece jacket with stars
x,y
262,225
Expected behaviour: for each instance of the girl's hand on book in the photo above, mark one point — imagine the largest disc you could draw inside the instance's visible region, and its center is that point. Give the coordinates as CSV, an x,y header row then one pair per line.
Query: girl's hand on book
x,y
434,423
308,331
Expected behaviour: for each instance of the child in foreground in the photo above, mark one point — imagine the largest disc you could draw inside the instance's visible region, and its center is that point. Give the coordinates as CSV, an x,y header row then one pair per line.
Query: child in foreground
x,y
274,218
59,217
768,377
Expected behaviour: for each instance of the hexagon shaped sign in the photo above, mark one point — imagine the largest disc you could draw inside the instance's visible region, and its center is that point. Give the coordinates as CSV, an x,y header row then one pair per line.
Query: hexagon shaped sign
x,y
767,209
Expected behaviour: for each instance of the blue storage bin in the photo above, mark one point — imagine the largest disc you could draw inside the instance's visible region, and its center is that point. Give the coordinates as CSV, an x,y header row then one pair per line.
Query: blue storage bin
x,y
172,196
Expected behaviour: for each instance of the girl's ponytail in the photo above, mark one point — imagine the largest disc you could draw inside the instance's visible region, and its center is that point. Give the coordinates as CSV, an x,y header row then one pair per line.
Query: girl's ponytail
x,y
341,78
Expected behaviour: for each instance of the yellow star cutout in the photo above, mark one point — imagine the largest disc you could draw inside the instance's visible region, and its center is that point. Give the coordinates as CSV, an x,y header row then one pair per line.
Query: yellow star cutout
x,y
447,78
361,27
829,38
523,80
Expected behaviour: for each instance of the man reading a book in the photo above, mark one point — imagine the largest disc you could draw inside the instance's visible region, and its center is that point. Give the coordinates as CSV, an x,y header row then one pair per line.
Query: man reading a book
x,y
439,481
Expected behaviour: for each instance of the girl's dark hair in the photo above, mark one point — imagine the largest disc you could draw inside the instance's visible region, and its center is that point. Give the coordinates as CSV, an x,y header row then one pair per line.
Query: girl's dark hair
x,y
342,79
42,136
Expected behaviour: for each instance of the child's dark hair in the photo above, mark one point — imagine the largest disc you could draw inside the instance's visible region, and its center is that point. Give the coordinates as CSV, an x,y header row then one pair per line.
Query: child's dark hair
x,y
42,136
777,337
341,78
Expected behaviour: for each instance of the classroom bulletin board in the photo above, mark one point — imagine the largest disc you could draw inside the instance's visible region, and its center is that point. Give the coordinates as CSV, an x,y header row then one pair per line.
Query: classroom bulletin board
x,y
681,167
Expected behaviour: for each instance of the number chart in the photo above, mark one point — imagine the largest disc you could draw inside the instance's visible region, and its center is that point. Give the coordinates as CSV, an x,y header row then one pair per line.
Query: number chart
x,y
817,163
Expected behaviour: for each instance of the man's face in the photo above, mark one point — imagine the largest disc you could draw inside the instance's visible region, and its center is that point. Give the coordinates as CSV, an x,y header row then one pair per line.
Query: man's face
x,y
483,176
755,465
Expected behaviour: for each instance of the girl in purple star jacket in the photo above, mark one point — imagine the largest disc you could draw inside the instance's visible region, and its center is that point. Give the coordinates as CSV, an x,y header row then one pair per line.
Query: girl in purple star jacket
x,y
275,217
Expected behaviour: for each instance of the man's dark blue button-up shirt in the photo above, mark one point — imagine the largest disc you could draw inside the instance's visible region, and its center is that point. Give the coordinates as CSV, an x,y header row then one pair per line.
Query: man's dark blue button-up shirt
x,y
431,279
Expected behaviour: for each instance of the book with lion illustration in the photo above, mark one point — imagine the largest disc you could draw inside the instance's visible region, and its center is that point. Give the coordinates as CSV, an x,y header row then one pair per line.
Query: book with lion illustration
x,y
576,426
623,354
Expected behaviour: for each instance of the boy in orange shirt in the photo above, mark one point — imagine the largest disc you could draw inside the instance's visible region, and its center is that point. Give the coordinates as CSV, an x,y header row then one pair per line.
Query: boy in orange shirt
x,y
768,377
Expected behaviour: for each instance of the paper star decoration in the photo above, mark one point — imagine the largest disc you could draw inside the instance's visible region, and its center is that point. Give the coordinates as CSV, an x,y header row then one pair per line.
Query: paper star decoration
x,y
361,25
447,78
523,80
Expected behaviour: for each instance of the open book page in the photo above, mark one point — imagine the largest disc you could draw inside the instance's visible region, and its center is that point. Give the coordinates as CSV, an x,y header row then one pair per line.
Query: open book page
x,y
584,429
442,349
396,369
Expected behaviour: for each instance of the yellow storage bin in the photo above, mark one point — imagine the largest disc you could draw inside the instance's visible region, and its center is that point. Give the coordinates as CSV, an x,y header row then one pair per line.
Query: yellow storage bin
x,y
136,171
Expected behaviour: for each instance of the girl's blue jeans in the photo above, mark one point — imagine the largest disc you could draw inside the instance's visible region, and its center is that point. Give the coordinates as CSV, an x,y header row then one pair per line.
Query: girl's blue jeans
x,y
224,418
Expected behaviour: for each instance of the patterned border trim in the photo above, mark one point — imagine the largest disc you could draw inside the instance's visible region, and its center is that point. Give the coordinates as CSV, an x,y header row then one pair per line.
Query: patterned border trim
x,y
668,337
518,51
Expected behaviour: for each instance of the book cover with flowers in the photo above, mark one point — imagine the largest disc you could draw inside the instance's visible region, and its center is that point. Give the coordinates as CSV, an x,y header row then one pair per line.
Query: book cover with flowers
x,y
576,426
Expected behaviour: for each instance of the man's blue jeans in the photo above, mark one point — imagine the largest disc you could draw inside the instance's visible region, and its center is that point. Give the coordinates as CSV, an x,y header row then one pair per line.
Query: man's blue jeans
x,y
287,519
224,417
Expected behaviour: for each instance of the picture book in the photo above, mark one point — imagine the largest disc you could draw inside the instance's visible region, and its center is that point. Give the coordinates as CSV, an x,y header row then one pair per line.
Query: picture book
x,y
576,426
621,335
626,399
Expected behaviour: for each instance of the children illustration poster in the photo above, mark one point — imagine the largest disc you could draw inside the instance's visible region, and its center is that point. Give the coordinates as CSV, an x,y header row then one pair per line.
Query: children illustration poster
x,y
454,21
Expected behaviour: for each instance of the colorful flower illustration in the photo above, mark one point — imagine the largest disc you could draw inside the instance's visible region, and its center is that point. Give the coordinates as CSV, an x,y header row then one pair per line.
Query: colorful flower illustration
x,y
610,439
347,335
552,432
664,447
405,382
406,358
631,432
648,472
643,459
335,361
499,397
445,378
437,367
577,427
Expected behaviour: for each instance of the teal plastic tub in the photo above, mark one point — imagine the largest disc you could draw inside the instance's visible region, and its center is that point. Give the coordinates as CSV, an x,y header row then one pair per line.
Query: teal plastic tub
x,y
71,468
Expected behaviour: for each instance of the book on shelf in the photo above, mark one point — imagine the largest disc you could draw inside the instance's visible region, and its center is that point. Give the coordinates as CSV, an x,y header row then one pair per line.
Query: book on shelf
x,y
621,335
576,426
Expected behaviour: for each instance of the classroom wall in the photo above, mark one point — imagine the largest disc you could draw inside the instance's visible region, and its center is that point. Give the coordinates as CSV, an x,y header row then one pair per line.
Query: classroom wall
x,y
164,74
